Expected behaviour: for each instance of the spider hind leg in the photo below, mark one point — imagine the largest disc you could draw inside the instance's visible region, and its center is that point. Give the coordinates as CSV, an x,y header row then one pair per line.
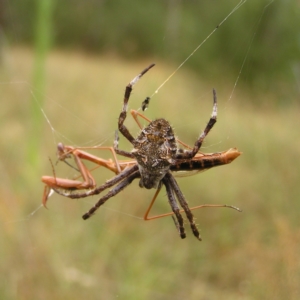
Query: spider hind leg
x,y
172,200
114,191
173,188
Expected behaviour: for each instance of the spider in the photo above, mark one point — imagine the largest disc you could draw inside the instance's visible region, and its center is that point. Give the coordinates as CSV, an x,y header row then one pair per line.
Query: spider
x,y
153,160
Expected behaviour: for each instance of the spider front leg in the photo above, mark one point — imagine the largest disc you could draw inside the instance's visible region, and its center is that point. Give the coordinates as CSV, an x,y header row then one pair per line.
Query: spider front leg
x,y
213,119
123,129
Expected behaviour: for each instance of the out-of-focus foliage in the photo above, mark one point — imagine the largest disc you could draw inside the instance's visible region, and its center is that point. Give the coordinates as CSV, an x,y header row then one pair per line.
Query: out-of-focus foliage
x,y
266,35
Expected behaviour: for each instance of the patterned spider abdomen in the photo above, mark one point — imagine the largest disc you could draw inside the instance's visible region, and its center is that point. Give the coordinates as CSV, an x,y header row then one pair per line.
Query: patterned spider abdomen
x,y
155,151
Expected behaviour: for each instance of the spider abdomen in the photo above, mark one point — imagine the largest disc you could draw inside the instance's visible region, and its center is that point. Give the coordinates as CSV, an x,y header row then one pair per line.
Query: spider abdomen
x,y
155,150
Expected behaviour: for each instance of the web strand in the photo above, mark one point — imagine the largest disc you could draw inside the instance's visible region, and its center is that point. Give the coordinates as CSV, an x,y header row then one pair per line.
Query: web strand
x,y
200,45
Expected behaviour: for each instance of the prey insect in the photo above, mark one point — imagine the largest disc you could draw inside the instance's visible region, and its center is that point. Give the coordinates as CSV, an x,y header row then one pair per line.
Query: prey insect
x,y
154,159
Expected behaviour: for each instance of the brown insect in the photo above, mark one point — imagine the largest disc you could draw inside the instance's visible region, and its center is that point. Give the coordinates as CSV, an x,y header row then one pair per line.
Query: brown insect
x,y
154,159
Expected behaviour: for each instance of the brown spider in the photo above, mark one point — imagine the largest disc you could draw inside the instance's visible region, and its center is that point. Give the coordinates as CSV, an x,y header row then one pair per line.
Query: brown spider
x,y
154,157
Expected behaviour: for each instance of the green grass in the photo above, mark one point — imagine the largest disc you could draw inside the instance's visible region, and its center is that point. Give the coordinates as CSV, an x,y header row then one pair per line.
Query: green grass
x,y
54,254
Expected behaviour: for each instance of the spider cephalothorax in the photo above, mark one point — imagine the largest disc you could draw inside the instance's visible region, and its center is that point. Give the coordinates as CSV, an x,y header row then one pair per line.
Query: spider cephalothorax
x,y
154,157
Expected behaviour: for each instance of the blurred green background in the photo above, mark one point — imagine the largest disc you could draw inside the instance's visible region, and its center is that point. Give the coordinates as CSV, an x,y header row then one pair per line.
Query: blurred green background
x,y
63,70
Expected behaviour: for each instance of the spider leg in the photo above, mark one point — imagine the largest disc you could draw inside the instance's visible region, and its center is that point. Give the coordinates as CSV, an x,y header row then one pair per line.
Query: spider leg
x,y
123,129
174,185
213,119
114,191
117,150
174,206
109,183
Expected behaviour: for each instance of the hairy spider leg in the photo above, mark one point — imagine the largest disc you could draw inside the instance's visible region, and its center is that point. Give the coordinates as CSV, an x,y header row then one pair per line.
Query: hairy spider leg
x,y
209,126
109,183
114,191
116,147
122,128
181,199
176,211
